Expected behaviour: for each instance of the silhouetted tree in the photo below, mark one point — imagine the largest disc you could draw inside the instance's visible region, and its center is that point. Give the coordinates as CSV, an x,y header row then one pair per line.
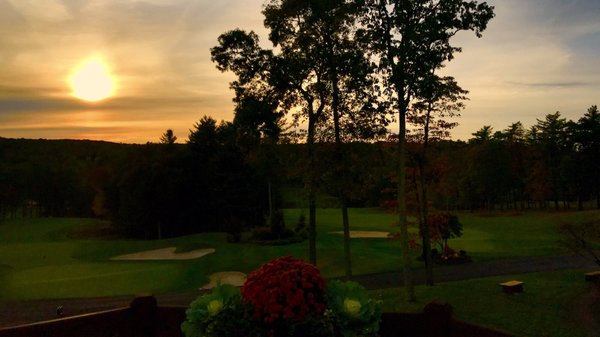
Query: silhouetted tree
x,y
168,137
410,39
303,75
259,103
437,99
228,192
482,135
553,143
328,35
514,137
515,133
489,173
588,138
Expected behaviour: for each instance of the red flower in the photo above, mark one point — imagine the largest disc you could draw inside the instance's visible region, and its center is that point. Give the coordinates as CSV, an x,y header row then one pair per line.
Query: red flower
x,y
285,288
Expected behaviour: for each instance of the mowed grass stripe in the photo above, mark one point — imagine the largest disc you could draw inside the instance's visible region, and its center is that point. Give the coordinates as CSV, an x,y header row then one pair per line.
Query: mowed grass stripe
x,y
37,248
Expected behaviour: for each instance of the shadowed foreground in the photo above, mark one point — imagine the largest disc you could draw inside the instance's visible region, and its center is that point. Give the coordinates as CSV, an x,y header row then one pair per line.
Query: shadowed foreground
x,y
143,317
22,312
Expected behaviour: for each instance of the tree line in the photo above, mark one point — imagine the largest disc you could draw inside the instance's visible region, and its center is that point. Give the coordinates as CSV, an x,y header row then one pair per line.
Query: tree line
x,y
551,165
149,191
218,181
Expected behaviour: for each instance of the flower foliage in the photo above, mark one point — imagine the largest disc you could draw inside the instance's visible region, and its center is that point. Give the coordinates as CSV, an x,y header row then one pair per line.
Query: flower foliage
x,y
285,288
218,314
354,313
285,297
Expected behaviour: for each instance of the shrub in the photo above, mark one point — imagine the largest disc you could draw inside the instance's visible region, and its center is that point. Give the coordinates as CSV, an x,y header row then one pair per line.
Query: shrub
x,y
276,233
277,224
300,229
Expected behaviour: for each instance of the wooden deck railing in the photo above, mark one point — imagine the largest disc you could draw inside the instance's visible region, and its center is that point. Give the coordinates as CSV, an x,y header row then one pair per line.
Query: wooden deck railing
x,y
144,318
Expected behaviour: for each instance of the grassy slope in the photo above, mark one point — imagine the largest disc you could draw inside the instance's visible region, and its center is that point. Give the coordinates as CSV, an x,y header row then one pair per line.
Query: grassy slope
x,y
528,234
38,259
545,308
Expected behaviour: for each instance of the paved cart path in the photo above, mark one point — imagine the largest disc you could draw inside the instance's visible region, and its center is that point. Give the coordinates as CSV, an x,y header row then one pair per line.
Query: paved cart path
x,y
22,312
481,269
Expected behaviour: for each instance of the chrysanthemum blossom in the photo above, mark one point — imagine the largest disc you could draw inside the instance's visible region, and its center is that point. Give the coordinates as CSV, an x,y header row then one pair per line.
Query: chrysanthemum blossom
x,y
285,288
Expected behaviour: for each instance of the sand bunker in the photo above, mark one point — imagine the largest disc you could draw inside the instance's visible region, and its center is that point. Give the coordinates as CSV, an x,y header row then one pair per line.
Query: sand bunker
x,y
366,234
165,254
234,278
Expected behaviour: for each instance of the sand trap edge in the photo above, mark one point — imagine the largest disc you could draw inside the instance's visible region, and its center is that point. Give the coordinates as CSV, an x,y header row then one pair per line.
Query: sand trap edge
x,y
164,254
365,234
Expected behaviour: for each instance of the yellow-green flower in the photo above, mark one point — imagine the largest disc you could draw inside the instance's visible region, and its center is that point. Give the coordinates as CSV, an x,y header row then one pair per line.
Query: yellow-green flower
x,y
214,307
352,307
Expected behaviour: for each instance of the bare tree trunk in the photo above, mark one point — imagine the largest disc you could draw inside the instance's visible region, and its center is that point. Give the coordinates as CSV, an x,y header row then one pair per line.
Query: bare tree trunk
x,y
340,158
269,187
312,228
159,231
424,226
402,216
347,256
312,202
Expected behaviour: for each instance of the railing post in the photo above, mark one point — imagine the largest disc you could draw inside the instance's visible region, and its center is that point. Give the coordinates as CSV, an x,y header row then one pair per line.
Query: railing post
x,y
438,319
144,316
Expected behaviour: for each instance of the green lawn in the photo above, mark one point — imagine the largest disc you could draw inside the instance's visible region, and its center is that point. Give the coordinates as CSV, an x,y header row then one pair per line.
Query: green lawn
x,y
485,236
527,234
39,258
48,258
549,306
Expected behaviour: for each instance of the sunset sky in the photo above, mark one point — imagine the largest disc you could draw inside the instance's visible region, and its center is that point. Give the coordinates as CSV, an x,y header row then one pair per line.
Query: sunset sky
x,y
537,57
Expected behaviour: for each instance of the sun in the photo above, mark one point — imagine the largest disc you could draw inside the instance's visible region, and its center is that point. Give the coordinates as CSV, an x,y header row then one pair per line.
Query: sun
x,y
91,81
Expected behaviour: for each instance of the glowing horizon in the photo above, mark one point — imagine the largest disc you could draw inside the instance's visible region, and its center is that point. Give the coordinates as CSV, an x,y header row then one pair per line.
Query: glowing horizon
x,y
533,59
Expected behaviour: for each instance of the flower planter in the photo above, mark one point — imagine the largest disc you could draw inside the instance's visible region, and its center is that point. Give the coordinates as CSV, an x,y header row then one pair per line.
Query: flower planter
x,y
284,297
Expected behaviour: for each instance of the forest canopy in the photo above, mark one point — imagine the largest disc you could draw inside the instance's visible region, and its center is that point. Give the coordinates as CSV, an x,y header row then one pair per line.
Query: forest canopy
x,y
220,184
